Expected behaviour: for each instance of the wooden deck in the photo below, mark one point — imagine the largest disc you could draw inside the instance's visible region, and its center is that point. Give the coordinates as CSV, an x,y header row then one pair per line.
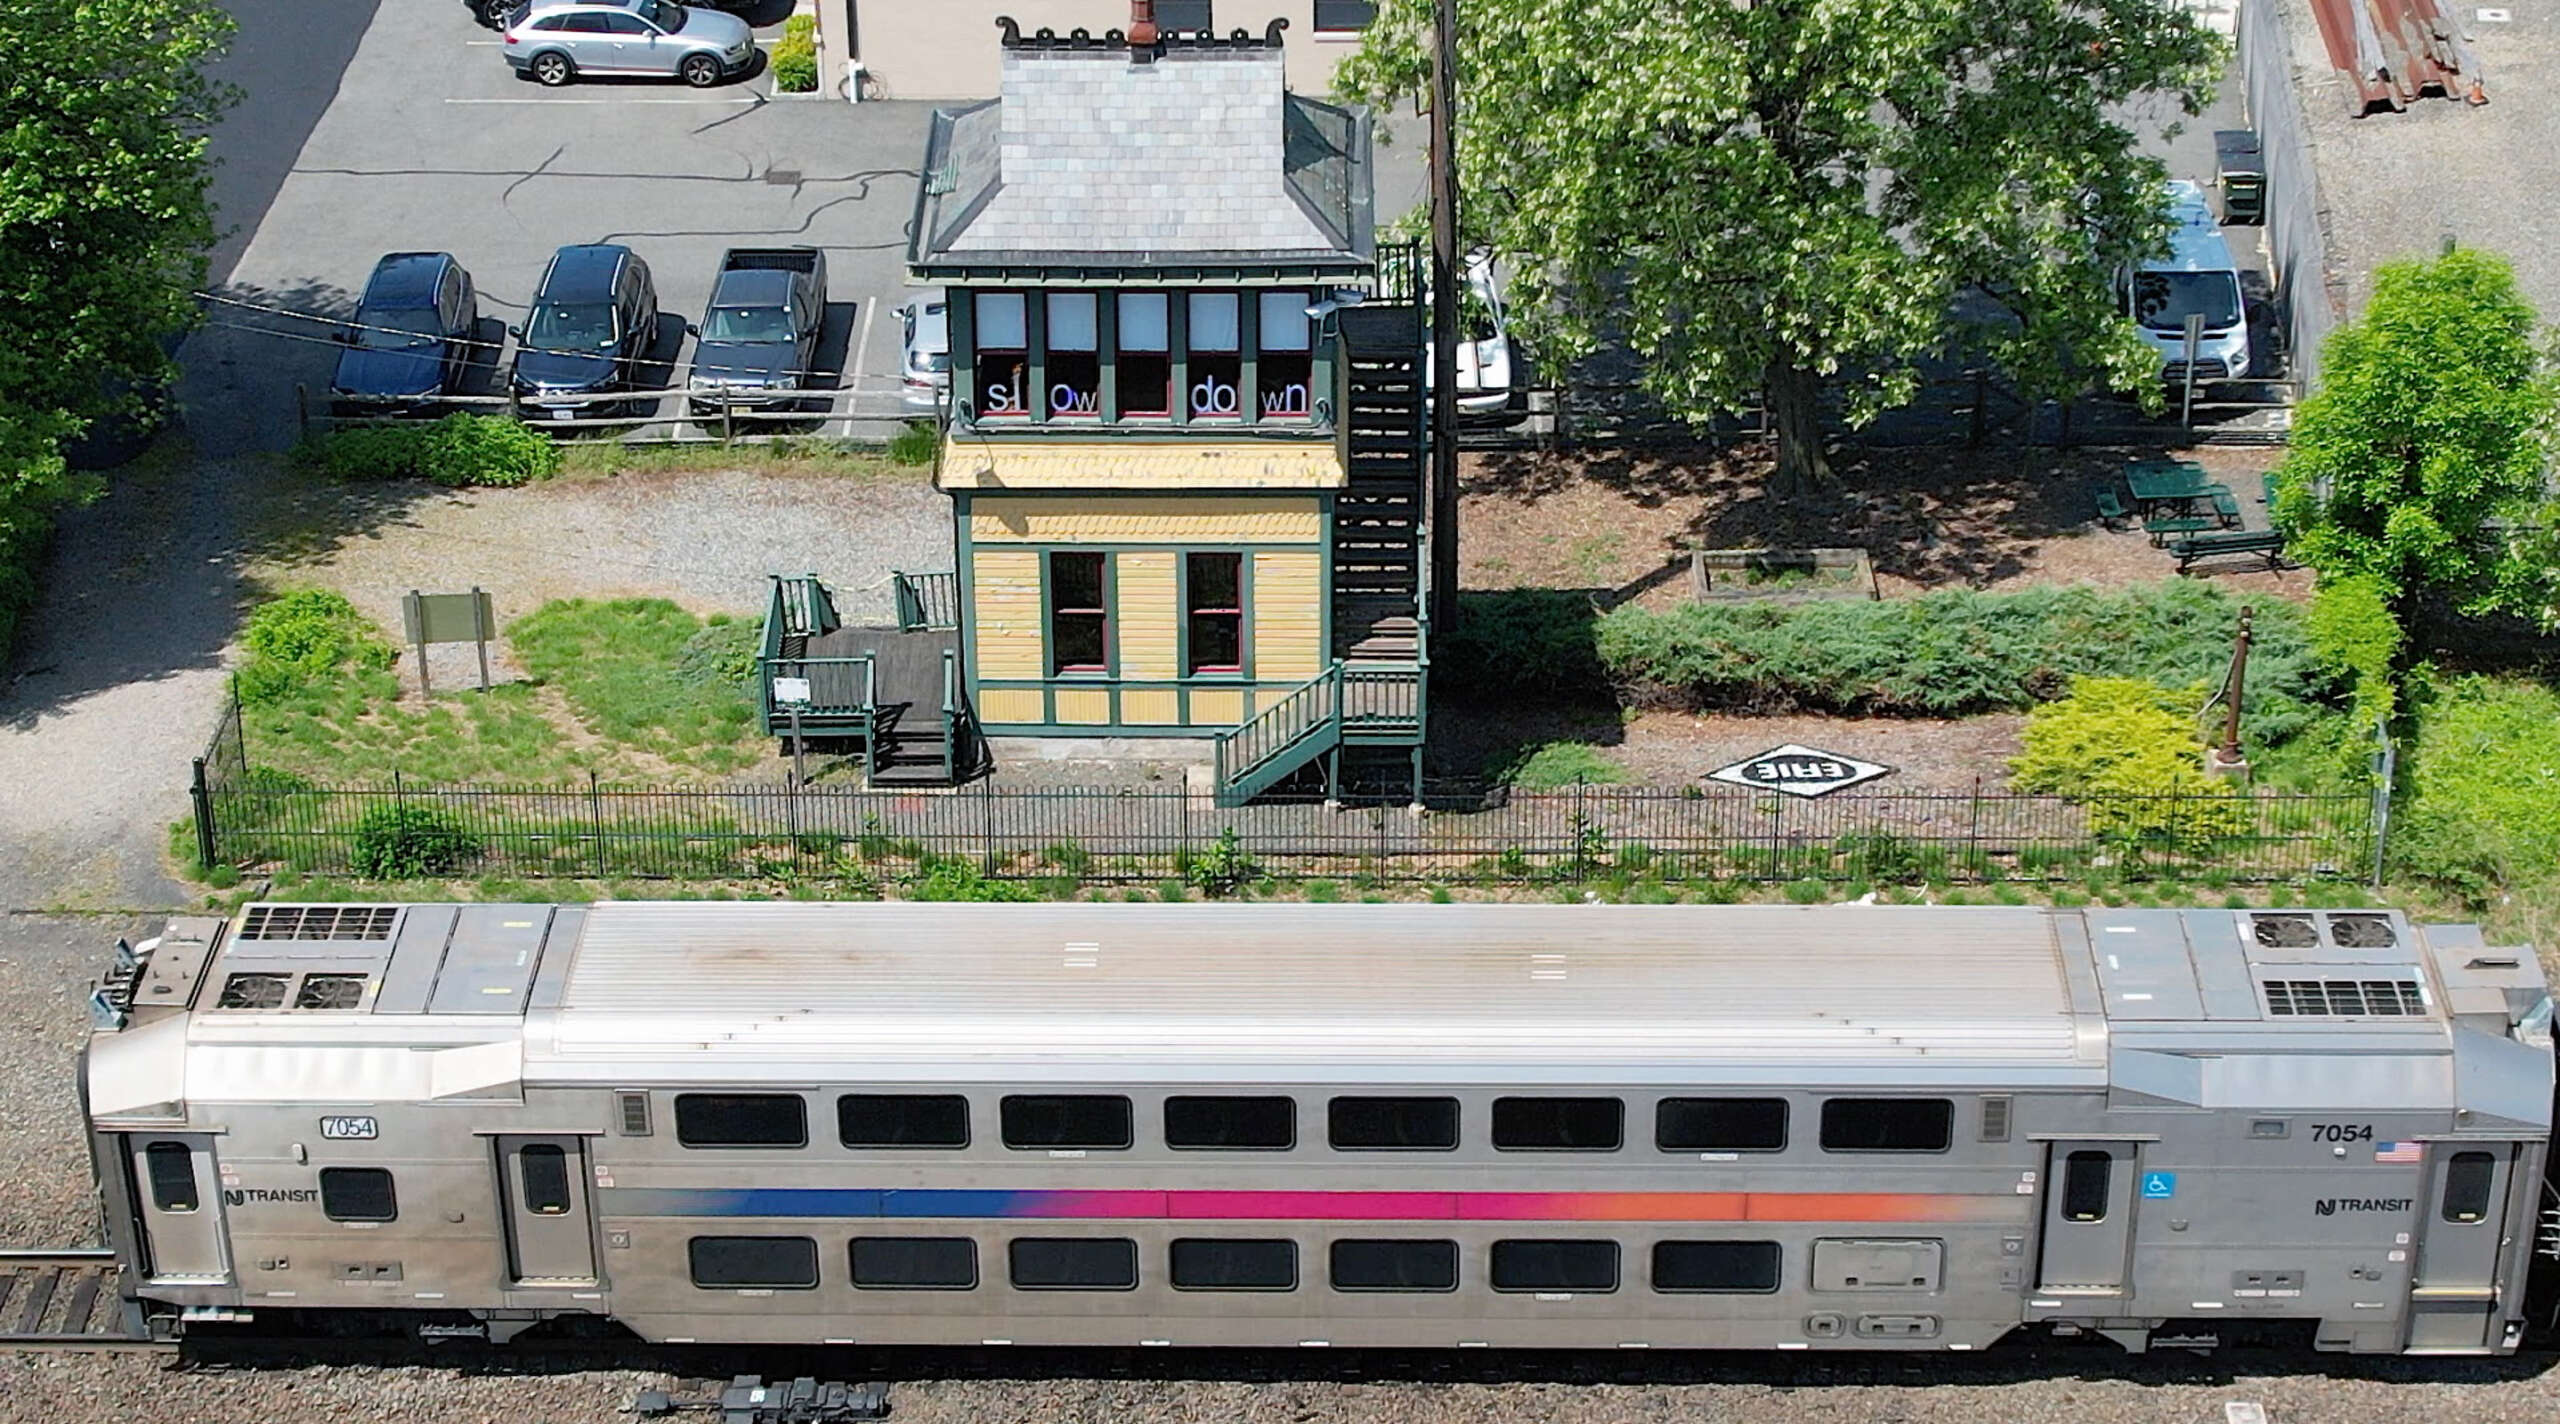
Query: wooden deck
x,y
908,668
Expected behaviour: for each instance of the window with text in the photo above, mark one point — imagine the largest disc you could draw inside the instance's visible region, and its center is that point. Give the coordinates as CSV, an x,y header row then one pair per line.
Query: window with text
x,y
1285,366
1217,356
1004,354
1075,356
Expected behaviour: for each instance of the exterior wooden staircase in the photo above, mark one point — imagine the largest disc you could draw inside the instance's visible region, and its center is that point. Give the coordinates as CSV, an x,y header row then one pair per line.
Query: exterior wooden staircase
x,y
893,692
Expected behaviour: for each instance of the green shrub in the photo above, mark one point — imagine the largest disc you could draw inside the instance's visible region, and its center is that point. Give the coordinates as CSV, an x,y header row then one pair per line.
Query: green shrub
x,y
2128,750
2481,808
795,56
459,450
1952,654
399,842
1532,642
300,638
916,443
961,880
1220,869
2356,640
723,654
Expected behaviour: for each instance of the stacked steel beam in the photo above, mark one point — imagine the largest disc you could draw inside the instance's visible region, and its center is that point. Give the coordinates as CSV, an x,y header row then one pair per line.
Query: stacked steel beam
x,y
2394,51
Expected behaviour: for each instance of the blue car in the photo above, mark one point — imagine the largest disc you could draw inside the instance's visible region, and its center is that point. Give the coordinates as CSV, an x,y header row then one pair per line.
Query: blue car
x,y
411,341
593,321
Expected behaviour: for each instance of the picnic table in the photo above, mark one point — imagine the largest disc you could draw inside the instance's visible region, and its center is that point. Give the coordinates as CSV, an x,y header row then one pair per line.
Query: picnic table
x,y
2169,487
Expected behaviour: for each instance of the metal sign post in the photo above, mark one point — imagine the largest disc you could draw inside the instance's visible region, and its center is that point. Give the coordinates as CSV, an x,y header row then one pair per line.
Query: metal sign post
x,y
448,618
793,693
2187,400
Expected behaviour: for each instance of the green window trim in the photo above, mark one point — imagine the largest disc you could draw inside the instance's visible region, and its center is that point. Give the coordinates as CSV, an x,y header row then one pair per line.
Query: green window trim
x,y
1243,671
1036,414
1110,669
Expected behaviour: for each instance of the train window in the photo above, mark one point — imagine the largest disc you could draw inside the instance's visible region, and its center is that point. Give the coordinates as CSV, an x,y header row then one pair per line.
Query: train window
x,y
1209,1263
1231,1124
2084,1185
357,1194
1582,1267
1074,1263
1715,1267
1066,1122
1720,1124
915,1263
172,1169
753,1262
1388,1124
1558,1124
546,1179
1887,1124
742,1120
1371,1265
2468,1176
902,1120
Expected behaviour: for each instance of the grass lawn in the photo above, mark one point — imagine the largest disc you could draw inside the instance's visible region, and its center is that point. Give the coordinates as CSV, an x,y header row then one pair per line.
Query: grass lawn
x,y
788,456
623,666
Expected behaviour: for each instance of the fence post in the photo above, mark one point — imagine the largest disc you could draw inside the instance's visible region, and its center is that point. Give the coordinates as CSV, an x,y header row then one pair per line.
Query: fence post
x,y
2385,763
203,797
595,817
1981,399
302,410
1581,871
987,828
1973,832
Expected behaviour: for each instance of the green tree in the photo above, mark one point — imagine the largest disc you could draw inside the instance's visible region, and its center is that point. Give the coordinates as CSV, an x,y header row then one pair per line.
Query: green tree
x,y
2420,459
1768,196
104,108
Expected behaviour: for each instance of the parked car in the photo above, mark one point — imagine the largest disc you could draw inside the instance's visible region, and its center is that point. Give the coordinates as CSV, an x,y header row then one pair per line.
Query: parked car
x,y
2196,278
1484,345
927,364
593,320
555,41
413,331
759,340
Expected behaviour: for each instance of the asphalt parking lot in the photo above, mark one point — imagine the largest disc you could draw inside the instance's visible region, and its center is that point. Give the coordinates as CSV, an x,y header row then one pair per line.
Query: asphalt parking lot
x,y
430,143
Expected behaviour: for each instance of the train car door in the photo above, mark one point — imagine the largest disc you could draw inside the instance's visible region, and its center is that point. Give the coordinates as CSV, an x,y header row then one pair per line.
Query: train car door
x,y
2088,1217
179,1195
2462,1229
550,1240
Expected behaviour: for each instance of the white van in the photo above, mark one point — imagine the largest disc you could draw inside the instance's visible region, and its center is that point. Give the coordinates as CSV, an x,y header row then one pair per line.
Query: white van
x,y
2197,278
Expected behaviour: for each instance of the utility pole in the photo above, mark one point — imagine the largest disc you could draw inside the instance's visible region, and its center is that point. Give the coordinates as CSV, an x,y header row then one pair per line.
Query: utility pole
x,y
1445,277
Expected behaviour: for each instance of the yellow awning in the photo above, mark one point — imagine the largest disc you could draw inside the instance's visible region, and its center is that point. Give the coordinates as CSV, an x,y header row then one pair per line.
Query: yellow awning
x,y
969,463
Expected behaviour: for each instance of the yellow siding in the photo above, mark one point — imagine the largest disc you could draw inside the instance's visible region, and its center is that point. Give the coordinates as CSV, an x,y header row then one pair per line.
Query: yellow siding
x,y
1288,615
969,463
1148,616
1150,706
1084,706
1012,704
1006,630
1142,519
1221,707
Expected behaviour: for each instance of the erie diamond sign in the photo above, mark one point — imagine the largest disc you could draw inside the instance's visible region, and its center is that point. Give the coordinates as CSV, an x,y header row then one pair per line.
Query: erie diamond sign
x,y
1799,771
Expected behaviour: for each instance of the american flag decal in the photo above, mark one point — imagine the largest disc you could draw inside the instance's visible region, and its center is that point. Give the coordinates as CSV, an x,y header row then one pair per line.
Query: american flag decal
x,y
2406,1153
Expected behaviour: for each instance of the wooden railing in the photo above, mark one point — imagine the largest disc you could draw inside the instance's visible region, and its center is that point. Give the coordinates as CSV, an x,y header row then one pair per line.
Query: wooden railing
x,y
927,601
1345,702
800,608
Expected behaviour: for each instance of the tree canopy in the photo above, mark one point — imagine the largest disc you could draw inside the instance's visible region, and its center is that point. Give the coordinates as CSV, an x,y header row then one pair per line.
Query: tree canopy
x,y
104,108
1769,195
2420,460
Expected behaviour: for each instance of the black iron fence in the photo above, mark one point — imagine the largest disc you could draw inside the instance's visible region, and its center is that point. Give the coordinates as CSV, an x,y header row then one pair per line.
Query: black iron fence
x,y
1459,835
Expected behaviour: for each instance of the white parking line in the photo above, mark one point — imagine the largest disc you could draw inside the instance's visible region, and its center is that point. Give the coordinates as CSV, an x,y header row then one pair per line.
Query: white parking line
x,y
742,99
861,347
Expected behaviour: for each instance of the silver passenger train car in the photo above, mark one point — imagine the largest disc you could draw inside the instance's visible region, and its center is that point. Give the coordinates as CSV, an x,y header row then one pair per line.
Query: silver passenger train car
x,y
1761,1127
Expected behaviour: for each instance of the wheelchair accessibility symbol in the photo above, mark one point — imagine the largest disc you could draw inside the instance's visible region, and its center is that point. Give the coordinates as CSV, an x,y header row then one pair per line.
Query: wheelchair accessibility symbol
x,y
2159,1186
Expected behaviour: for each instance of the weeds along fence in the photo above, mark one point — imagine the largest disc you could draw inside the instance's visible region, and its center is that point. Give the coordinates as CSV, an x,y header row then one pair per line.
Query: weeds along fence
x,y
1466,835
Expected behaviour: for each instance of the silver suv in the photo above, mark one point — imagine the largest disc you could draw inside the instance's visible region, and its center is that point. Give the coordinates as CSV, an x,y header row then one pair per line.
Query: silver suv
x,y
555,41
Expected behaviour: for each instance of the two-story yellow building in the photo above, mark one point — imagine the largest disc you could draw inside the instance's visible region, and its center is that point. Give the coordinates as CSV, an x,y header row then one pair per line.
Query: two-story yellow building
x,y
1184,443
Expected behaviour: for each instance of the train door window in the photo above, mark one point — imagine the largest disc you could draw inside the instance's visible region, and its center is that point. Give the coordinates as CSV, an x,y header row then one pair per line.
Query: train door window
x,y
357,1194
1720,1124
2468,1179
1715,1267
1067,1122
1581,1267
902,1120
742,1120
1887,1124
914,1263
172,1168
1392,1124
2084,1185
1371,1265
1216,1264
546,1179
1230,1124
753,1262
1074,1263
1558,1124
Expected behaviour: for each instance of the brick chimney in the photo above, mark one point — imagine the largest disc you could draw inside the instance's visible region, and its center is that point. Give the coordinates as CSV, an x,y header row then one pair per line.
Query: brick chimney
x,y
1142,30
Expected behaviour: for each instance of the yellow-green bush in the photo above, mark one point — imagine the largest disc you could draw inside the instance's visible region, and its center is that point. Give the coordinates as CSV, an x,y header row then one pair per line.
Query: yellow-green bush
x,y
303,637
2355,639
795,56
2127,750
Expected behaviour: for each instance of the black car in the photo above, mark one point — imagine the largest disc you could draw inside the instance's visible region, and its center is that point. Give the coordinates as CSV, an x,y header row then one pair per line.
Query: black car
x,y
594,318
412,337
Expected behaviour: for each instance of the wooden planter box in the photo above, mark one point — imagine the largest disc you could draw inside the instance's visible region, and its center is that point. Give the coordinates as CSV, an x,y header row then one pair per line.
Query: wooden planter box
x,y
1780,575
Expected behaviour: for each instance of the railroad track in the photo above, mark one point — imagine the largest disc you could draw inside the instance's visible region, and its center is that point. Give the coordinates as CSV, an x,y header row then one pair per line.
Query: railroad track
x,y
68,1300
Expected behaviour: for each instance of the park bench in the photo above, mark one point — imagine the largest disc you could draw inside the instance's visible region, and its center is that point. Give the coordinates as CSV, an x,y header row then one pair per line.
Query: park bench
x,y
2265,543
2161,526
2226,507
2110,508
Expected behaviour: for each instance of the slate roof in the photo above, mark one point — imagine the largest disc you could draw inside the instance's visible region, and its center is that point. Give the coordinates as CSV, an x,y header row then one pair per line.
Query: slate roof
x,y
1091,157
